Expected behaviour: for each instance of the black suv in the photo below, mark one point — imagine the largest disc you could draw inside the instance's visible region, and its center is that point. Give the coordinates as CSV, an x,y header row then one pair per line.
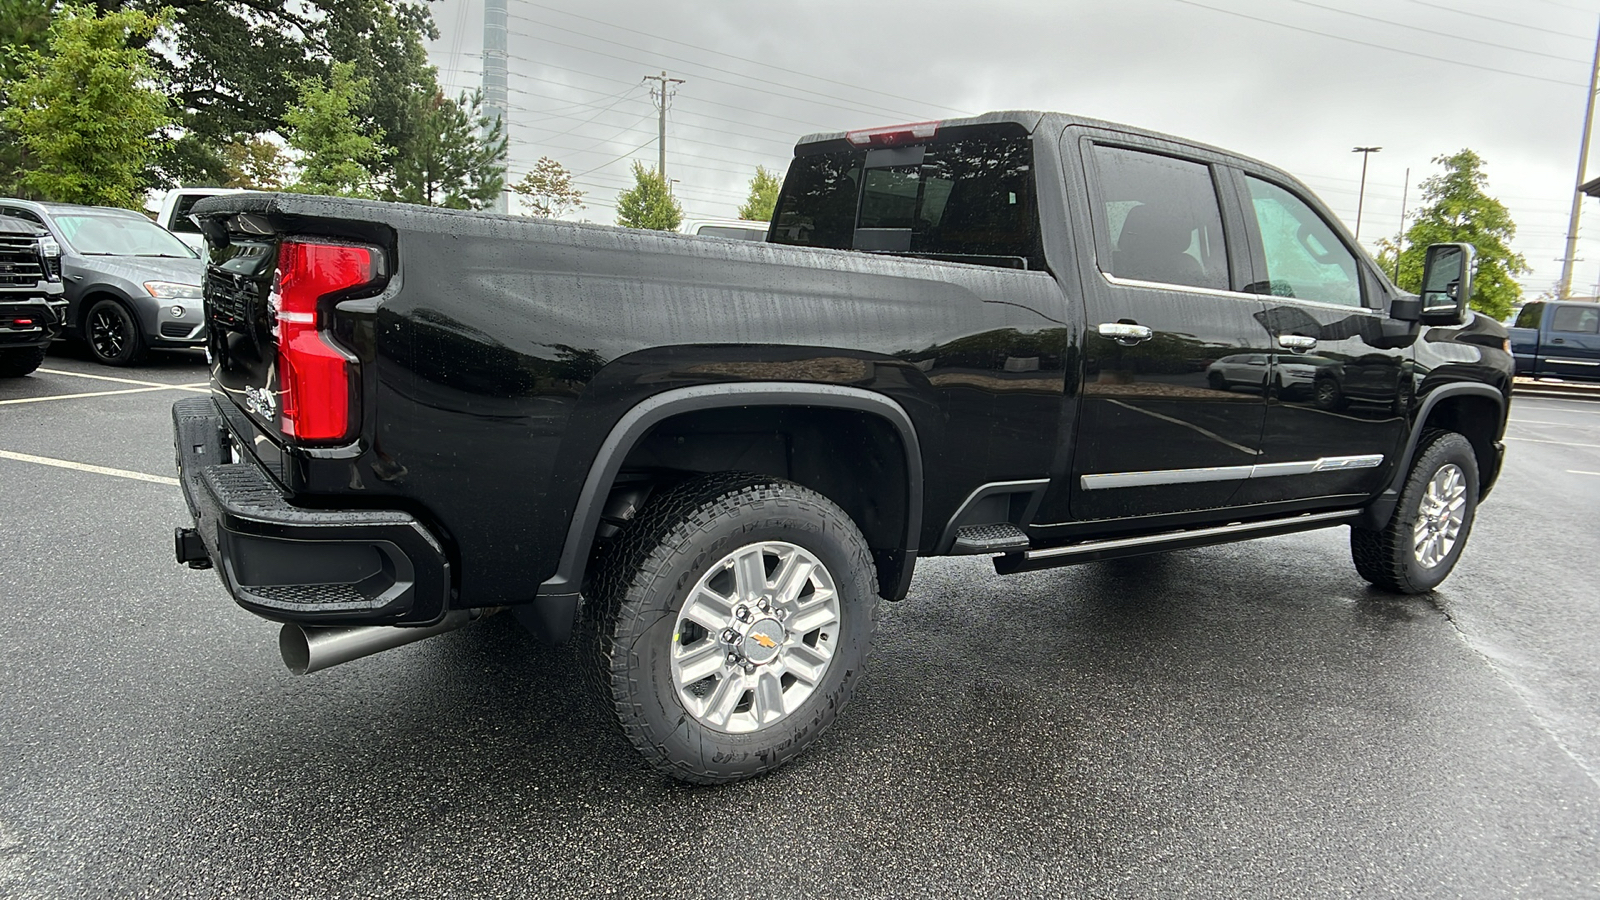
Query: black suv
x,y
32,308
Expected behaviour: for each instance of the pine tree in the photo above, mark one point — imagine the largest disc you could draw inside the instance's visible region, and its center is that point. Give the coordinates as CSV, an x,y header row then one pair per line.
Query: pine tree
x,y
648,204
455,156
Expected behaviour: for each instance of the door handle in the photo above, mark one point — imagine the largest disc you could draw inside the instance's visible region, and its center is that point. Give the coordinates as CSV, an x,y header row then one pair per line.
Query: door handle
x,y
75,277
1299,343
1125,333
1558,340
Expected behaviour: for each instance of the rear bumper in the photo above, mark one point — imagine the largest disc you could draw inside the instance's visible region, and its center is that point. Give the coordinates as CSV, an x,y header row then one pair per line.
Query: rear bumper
x,y
292,564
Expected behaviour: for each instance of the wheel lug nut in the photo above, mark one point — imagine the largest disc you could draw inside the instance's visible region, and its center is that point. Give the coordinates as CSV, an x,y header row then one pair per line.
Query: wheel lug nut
x,y
765,604
749,668
742,613
733,659
729,636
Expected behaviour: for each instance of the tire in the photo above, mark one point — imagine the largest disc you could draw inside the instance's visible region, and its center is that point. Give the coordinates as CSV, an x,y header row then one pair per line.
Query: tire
x,y
1424,538
113,334
1217,381
19,362
700,707
1327,394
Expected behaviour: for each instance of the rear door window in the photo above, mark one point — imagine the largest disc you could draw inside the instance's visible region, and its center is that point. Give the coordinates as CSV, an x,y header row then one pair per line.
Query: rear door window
x,y
1529,317
1576,320
1158,220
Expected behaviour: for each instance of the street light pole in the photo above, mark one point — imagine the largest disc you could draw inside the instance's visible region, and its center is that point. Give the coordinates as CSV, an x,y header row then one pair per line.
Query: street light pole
x,y
1564,287
1362,197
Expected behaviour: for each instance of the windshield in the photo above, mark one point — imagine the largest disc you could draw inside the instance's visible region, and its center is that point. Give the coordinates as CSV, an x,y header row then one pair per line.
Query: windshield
x,y
102,235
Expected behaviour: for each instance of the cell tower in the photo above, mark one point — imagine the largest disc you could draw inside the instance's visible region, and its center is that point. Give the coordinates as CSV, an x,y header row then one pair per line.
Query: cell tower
x,y
495,75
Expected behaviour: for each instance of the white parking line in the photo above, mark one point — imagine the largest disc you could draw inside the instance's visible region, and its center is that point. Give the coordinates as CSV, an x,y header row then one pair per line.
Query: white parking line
x,y
85,467
1581,472
1556,424
176,387
1557,443
144,390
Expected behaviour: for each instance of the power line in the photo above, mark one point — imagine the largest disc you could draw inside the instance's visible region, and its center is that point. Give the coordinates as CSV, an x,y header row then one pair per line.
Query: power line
x,y
1351,40
752,61
1457,37
1461,12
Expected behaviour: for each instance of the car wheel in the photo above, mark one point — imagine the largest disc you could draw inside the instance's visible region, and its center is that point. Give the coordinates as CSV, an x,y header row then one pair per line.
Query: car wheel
x,y
1217,381
731,622
1425,536
1327,394
113,334
19,362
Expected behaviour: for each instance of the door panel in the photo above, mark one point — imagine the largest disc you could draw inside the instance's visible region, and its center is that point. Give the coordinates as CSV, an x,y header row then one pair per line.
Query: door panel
x,y
1338,390
1573,346
1154,434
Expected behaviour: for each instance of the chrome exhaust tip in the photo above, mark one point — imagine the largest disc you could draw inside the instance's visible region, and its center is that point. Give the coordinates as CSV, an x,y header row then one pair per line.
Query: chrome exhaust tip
x,y
306,649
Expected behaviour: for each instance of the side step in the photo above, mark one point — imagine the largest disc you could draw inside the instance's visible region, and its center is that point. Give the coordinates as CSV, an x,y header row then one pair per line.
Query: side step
x,y
1002,538
1090,551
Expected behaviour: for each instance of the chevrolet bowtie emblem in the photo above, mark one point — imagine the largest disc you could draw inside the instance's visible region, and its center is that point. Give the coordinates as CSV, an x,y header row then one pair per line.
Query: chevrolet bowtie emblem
x,y
764,641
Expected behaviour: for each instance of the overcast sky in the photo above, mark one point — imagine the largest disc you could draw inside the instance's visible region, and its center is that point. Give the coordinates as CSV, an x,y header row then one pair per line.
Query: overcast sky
x,y
1296,83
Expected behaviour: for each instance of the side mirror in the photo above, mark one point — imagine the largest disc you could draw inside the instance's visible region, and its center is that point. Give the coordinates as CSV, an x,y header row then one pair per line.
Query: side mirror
x,y
1446,283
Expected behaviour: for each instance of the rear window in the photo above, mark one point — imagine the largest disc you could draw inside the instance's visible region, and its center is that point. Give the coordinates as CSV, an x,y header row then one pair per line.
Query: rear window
x,y
967,200
1529,317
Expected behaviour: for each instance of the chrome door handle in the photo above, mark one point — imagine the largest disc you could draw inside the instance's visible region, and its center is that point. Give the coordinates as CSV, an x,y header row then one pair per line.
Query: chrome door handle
x,y
1299,343
1124,332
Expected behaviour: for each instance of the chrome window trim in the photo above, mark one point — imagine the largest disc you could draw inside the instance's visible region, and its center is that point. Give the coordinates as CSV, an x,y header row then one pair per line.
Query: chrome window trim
x,y
1109,480
1237,295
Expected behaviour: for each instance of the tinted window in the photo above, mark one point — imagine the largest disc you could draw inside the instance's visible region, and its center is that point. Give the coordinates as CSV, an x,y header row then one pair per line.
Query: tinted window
x,y
970,200
1304,257
180,214
1160,219
1578,319
22,214
1529,317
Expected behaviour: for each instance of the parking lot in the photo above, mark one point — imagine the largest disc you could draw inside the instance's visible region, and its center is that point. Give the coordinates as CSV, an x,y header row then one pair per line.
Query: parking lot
x,y
1245,720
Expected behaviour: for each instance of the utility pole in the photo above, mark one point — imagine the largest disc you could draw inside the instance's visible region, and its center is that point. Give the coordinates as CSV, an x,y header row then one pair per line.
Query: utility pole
x,y
495,72
1564,289
1400,241
1362,196
662,96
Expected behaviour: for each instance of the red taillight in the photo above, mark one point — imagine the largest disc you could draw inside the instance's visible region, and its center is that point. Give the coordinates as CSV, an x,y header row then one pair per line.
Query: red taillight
x,y
894,135
313,374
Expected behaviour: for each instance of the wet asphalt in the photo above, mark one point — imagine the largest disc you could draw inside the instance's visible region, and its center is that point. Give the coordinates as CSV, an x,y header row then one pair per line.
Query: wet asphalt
x,y
1249,720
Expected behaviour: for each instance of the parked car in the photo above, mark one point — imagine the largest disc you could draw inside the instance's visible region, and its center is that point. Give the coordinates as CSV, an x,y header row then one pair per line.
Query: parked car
x,y
173,213
737,229
32,309
1558,339
709,460
130,285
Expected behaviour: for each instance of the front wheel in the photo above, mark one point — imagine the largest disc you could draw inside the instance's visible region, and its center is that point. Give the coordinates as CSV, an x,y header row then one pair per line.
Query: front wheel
x,y
16,363
732,621
1425,536
113,334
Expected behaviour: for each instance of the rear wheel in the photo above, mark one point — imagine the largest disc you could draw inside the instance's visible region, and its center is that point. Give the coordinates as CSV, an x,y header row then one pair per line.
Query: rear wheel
x,y
732,621
1425,536
21,361
113,334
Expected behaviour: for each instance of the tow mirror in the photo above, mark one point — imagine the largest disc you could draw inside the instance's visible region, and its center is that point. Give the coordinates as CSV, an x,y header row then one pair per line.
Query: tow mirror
x,y
1446,283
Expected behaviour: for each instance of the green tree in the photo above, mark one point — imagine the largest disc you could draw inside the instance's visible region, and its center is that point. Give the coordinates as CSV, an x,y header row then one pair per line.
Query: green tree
x,y
1456,208
24,27
336,157
648,204
87,109
455,156
547,190
763,197
254,162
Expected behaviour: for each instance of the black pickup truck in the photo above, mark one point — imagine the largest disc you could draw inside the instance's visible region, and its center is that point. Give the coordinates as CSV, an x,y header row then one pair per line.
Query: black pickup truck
x,y
32,308
985,336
